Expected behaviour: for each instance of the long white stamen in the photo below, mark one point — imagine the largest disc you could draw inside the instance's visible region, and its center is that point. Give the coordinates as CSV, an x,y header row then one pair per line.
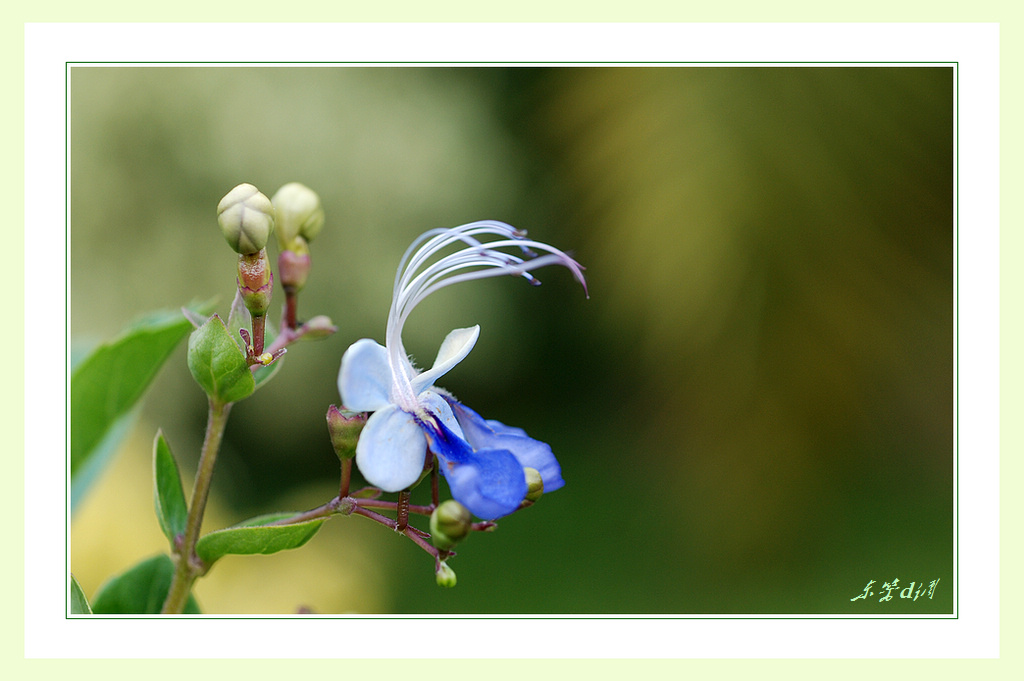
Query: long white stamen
x,y
415,279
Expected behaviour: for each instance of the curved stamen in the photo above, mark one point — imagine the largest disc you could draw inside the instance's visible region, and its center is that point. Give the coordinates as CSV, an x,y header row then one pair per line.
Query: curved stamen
x,y
415,279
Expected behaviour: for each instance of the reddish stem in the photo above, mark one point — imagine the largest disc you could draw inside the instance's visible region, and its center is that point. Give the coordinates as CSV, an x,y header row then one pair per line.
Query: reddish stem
x,y
346,477
291,304
259,330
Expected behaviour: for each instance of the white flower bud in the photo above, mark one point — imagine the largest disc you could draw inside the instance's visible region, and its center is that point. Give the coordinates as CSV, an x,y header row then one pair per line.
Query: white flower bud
x,y
246,219
299,213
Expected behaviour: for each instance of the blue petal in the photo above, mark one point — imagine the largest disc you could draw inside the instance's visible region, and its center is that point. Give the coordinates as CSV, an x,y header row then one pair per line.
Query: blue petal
x,y
490,434
489,482
391,449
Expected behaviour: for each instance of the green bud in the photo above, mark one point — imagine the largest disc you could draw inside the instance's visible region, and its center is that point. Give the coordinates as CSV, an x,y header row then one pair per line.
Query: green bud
x,y
444,575
449,524
344,426
318,327
298,212
255,281
246,219
534,484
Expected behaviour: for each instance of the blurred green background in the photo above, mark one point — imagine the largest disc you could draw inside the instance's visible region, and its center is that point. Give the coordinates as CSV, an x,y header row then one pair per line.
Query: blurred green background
x,y
753,410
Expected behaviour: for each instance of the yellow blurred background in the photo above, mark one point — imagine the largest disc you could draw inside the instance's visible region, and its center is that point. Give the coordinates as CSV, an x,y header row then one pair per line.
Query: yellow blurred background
x,y
753,410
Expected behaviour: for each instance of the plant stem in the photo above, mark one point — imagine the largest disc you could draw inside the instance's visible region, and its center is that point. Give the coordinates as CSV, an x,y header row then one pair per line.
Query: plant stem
x,y
346,478
336,506
189,567
394,505
259,326
291,304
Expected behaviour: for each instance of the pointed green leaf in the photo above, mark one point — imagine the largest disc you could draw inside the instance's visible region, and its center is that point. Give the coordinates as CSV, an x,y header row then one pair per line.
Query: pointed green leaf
x,y
107,383
217,363
254,536
141,589
91,468
168,495
196,319
79,603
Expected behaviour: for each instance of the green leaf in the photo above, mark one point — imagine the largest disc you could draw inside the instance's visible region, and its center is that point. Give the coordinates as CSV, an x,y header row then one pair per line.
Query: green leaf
x,y
168,495
79,603
111,380
253,536
195,318
238,319
141,589
217,363
92,467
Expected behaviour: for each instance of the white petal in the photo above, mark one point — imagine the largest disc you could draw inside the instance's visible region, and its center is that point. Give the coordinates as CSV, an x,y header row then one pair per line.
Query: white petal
x,y
454,349
391,450
365,377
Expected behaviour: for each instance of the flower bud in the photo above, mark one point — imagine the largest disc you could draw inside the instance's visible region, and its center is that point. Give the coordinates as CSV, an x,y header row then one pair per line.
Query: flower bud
x,y
534,484
255,282
449,524
298,212
246,219
318,327
344,426
444,575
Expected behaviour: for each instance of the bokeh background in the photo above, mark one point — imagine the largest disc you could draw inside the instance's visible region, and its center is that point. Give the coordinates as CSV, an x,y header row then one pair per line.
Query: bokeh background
x,y
753,410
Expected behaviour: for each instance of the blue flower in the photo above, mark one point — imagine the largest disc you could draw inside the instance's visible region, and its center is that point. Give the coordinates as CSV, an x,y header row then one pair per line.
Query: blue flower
x,y
482,460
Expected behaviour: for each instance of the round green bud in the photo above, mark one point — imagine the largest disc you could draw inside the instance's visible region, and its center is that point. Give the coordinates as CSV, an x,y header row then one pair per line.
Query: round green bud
x,y
246,219
344,426
444,575
449,524
534,484
299,213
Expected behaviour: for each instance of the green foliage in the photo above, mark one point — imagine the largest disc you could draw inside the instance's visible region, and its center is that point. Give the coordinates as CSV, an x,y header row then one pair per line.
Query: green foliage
x,y
141,589
168,495
253,536
109,382
79,603
217,363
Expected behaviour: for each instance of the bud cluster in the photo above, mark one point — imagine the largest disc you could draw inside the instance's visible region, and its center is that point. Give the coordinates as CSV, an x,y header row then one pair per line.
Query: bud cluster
x,y
247,218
